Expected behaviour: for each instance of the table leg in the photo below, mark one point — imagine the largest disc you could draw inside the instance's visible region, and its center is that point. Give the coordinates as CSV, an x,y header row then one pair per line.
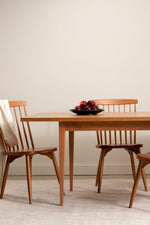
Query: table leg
x,y
71,157
61,160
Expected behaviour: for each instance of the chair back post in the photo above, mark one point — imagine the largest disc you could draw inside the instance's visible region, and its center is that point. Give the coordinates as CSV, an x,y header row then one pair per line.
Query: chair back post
x,y
29,129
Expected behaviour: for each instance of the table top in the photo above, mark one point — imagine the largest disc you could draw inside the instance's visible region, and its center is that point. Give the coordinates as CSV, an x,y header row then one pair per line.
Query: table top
x,y
103,116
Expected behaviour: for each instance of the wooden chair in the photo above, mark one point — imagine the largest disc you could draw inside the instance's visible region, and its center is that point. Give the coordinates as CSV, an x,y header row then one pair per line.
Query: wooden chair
x,y
144,159
25,148
108,140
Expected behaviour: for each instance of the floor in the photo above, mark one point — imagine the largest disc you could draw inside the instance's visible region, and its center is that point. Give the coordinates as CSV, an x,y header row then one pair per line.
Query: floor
x,y
82,206
76,177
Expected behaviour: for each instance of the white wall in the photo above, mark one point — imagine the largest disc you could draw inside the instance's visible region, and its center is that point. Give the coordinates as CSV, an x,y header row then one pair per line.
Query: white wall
x,y
54,53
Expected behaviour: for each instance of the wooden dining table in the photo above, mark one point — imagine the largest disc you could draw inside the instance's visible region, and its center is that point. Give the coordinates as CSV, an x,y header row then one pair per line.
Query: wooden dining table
x,y
71,122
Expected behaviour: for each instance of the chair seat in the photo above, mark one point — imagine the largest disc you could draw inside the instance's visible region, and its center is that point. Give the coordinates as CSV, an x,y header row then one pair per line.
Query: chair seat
x,y
31,151
119,146
144,156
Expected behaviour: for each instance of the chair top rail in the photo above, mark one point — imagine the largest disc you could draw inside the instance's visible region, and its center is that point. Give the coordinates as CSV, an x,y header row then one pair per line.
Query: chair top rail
x,y
17,103
115,101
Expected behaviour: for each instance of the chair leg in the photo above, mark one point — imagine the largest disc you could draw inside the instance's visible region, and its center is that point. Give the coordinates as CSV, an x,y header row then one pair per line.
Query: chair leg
x,y
31,166
52,156
143,176
137,151
98,171
132,164
142,171
29,178
101,170
144,179
135,184
5,176
56,166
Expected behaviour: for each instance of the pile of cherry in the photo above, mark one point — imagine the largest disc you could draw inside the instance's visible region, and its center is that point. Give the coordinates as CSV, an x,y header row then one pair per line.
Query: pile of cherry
x,y
87,105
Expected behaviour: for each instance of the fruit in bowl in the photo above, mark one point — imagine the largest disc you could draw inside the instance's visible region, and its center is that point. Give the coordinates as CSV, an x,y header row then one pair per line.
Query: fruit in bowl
x,y
87,105
86,108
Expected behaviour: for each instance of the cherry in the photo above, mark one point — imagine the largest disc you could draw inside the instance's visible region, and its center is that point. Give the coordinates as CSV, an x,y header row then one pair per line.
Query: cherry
x,y
87,107
83,104
77,107
95,107
91,103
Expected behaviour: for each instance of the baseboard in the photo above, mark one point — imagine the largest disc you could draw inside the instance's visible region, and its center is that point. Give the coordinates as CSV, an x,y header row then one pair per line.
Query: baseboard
x,y
79,169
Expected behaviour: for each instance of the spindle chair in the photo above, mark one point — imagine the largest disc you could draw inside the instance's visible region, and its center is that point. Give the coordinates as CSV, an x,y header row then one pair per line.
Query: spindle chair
x,y
112,139
144,159
25,147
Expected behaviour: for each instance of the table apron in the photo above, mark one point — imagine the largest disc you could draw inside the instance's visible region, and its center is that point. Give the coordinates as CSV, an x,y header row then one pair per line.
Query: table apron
x,y
105,125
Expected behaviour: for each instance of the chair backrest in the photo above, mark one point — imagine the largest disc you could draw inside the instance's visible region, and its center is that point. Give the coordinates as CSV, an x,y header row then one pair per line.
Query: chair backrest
x,y
112,136
18,109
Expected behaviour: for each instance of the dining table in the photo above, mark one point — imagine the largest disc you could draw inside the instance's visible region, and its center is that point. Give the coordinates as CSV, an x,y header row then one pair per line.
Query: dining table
x,y
71,122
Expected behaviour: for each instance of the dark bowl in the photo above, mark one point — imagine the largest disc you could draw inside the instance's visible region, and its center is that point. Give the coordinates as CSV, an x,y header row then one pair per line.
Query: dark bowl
x,y
86,112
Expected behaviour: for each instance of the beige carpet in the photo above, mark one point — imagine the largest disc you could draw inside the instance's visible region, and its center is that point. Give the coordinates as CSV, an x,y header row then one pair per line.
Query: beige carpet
x,y
83,206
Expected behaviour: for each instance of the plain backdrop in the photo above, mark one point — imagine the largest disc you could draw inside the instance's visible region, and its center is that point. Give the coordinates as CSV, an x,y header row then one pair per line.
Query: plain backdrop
x,y
55,53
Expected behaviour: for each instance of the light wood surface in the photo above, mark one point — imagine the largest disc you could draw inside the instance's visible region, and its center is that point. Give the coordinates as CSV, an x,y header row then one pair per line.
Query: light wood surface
x,y
103,116
25,147
72,122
